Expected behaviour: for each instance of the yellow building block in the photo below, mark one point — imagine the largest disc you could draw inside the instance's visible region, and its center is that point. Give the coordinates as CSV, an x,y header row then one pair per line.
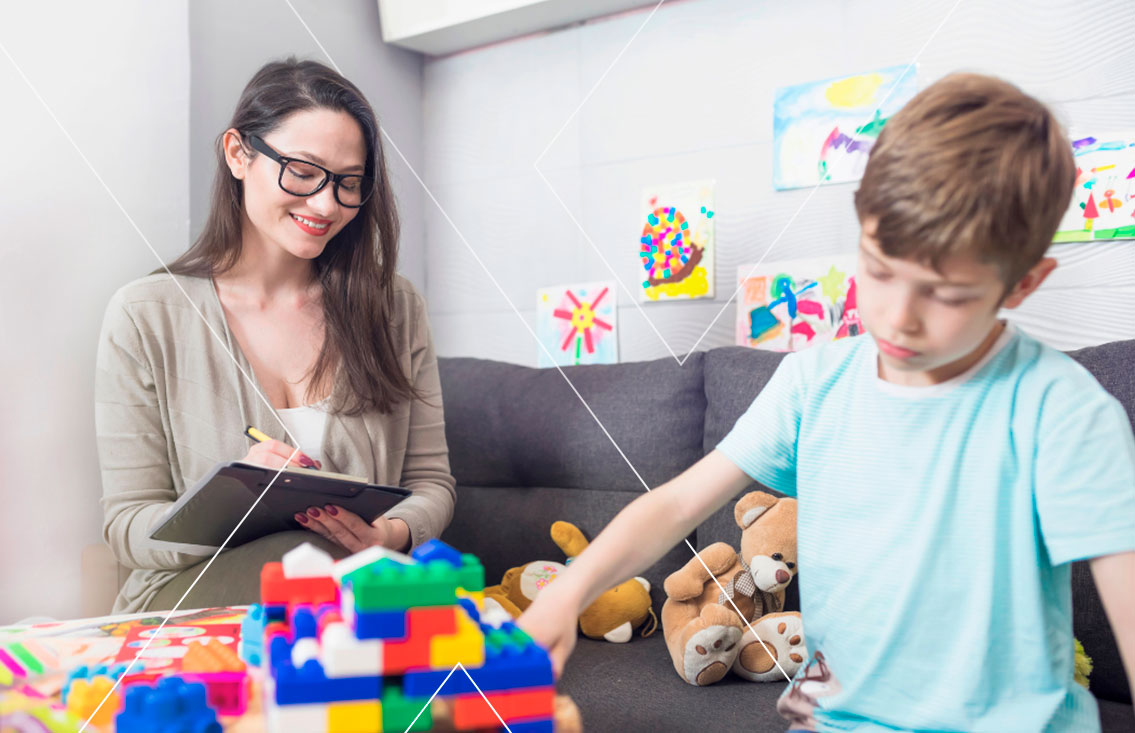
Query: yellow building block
x,y
86,695
477,596
359,716
467,646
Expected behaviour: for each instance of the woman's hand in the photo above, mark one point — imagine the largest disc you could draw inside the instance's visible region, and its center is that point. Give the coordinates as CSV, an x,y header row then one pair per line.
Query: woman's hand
x,y
347,529
551,621
275,454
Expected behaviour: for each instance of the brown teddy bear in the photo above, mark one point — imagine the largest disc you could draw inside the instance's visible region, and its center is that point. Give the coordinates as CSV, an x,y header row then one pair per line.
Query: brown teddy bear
x,y
704,633
613,616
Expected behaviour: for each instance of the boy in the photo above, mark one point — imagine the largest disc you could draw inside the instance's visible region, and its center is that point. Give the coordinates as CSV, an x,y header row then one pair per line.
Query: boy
x,y
946,462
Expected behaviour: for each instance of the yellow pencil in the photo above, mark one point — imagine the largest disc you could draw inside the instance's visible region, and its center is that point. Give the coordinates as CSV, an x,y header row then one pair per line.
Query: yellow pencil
x,y
260,437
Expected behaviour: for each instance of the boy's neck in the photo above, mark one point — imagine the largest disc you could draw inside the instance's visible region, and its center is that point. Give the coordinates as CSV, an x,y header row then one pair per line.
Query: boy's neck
x,y
946,371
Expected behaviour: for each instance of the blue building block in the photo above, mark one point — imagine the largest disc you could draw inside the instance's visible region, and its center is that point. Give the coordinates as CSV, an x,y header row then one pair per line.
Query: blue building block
x,y
512,661
310,685
380,624
470,608
275,612
251,645
303,623
89,673
279,652
541,725
435,549
173,705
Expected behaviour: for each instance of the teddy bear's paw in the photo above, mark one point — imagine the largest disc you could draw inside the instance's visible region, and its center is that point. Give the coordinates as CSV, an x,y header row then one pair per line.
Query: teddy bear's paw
x,y
783,637
710,653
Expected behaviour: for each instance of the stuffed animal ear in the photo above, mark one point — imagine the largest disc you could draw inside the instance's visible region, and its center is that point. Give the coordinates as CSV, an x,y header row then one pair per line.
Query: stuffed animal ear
x,y
751,506
568,538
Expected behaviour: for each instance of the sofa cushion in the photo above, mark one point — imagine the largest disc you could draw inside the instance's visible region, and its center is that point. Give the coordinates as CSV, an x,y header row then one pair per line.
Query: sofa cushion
x,y
506,527
510,425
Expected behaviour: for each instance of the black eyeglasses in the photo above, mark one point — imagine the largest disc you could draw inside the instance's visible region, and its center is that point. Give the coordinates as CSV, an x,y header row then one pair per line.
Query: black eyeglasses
x,y
304,178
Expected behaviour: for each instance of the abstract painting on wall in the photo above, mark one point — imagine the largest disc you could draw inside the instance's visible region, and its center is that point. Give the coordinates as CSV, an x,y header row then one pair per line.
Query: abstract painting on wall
x,y
1103,201
794,304
576,324
676,245
822,131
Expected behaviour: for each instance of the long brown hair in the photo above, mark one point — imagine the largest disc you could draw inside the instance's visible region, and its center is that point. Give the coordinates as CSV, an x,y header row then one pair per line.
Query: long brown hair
x,y
356,269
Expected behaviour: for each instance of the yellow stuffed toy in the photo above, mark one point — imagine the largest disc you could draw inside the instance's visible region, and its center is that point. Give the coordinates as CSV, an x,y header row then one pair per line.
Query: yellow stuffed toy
x,y
613,616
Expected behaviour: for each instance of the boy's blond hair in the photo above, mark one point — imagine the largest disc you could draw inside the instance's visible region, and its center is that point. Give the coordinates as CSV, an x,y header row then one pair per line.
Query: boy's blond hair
x,y
970,166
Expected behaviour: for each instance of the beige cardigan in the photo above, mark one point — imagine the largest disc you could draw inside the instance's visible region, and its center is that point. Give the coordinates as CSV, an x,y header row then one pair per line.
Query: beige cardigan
x,y
170,404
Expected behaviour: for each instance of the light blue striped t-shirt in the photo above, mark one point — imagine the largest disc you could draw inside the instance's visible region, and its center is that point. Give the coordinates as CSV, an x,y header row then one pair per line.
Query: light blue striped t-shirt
x,y
936,526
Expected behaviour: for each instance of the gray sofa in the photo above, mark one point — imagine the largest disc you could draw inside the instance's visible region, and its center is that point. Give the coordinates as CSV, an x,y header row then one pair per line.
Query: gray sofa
x,y
526,452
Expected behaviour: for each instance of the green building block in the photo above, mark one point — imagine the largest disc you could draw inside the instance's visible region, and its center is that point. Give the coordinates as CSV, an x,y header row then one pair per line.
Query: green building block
x,y
387,585
471,575
398,711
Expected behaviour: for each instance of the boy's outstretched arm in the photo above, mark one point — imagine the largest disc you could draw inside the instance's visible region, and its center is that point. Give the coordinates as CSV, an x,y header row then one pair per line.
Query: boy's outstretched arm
x,y
634,540
1115,580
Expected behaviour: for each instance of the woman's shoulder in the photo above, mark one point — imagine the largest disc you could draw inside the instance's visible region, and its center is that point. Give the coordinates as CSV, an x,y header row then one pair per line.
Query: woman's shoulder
x,y
159,290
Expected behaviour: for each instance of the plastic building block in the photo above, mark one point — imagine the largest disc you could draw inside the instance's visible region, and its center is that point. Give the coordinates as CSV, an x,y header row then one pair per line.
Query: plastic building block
x,y
309,684
369,556
172,704
424,628
387,586
435,549
89,674
471,711
466,646
343,655
354,717
294,718
275,612
307,561
303,650
29,712
226,692
251,645
471,574
380,624
538,725
86,700
512,661
212,657
275,589
398,711
303,622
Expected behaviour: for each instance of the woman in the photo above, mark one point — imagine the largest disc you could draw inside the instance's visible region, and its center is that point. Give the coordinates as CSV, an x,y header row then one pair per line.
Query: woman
x,y
294,276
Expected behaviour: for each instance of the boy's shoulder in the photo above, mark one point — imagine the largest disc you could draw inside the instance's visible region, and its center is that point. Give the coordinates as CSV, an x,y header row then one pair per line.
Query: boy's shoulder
x,y
1052,378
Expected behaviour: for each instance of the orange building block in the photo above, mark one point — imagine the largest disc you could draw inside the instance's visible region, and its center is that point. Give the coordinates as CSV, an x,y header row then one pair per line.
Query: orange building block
x,y
470,710
211,657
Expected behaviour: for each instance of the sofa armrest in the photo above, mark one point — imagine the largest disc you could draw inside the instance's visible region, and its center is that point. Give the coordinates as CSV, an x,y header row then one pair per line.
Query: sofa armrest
x,y
101,578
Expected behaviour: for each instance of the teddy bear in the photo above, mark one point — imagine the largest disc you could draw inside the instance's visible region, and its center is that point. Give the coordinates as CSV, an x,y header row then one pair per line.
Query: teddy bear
x,y
613,616
740,624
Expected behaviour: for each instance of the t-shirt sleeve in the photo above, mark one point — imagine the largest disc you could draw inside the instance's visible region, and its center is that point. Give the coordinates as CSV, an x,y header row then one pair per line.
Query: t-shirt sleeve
x,y
1085,475
762,443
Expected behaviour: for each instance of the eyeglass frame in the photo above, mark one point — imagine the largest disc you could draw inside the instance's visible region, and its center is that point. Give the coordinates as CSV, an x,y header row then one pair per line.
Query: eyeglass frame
x,y
258,144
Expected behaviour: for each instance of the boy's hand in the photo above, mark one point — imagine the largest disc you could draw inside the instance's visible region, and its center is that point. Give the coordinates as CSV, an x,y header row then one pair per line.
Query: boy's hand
x,y
1115,580
348,530
552,624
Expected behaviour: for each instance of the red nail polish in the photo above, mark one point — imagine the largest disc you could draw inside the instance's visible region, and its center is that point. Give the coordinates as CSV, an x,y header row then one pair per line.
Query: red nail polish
x,y
301,518
306,462
319,464
332,510
313,512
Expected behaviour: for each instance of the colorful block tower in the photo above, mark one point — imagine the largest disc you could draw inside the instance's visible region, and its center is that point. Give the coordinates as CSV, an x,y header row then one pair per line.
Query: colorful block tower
x,y
365,643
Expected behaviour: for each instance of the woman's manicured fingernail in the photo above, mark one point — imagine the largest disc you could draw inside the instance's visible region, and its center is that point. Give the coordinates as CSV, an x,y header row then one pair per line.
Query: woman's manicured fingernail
x,y
301,518
306,462
331,510
319,464
313,512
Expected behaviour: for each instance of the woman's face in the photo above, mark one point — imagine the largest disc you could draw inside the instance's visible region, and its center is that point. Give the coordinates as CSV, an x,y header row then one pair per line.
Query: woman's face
x,y
299,225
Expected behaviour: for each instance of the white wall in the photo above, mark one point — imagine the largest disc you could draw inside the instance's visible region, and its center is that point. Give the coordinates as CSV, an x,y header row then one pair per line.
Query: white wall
x,y
691,99
116,74
230,41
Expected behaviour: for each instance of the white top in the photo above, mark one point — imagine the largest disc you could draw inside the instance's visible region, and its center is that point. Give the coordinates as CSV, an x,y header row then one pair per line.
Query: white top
x,y
306,424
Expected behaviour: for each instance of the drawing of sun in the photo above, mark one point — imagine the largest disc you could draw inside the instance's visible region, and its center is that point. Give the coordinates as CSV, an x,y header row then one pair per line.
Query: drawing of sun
x,y
582,320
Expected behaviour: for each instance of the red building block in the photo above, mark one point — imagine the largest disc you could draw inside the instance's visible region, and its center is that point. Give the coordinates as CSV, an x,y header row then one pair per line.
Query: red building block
x,y
276,589
422,625
470,710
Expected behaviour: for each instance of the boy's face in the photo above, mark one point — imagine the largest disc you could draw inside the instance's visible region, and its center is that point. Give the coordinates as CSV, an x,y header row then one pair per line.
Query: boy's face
x,y
931,326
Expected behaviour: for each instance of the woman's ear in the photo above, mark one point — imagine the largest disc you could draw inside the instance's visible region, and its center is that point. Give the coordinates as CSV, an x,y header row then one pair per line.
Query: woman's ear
x,y
236,157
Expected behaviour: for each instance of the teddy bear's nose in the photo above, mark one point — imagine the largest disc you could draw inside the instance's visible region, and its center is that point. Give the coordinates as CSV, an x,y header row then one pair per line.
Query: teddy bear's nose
x,y
782,576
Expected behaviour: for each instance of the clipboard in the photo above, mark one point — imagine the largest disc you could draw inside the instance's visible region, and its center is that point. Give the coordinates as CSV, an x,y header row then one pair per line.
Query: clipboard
x,y
202,518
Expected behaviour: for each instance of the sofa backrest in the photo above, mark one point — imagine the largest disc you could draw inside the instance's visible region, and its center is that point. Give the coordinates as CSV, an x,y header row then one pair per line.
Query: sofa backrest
x,y
526,451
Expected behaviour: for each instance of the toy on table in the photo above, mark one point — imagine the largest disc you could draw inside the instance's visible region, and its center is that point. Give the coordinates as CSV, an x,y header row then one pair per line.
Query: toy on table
x,y
224,675
613,616
171,705
704,634
86,689
364,643
26,711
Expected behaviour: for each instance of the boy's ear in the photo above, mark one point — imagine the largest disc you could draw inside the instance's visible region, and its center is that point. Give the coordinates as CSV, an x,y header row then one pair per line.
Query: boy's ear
x,y
1030,282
